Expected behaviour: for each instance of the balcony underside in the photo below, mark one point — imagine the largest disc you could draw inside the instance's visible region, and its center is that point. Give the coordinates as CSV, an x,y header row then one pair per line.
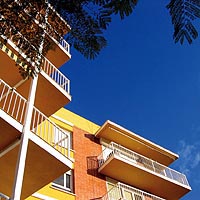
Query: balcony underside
x,y
58,55
43,162
113,132
9,72
8,134
142,178
41,168
49,96
49,93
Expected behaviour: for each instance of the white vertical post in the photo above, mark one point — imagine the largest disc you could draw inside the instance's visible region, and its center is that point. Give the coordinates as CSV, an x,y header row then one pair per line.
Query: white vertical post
x,y
68,86
20,167
68,145
121,191
154,169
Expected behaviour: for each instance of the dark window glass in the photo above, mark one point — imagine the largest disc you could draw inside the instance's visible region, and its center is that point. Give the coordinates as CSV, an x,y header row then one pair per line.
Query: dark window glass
x,y
60,180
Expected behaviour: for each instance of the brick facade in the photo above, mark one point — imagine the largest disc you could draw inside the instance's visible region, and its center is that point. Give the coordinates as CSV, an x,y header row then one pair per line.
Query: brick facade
x,y
88,184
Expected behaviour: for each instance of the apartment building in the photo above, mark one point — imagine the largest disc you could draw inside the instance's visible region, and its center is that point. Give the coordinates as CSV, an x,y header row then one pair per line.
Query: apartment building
x,y
113,163
31,45
50,153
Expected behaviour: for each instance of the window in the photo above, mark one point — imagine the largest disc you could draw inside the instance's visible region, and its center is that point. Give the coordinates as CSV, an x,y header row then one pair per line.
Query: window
x,y
65,181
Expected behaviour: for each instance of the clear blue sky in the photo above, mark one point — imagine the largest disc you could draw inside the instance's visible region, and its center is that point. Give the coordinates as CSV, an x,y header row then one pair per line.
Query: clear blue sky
x,y
146,83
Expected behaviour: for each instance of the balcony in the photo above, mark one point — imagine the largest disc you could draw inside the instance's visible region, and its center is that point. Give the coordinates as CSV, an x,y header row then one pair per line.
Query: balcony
x,y
19,28
53,89
134,169
48,154
122,191
50,79
60,54
120,135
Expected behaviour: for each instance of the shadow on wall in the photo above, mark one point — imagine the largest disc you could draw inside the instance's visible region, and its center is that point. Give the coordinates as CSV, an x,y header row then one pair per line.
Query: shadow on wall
x,y
92,167
92,138
92,163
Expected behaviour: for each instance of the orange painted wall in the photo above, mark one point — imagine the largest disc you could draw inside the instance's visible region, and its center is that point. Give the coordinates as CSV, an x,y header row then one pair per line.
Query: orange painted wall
x,y
88,185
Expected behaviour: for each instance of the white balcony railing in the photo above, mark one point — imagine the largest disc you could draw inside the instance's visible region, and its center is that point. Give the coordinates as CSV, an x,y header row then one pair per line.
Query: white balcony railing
x,y
14,105
53,73
126,192
50,132
12,102
56,75
3,197
141,161
65,45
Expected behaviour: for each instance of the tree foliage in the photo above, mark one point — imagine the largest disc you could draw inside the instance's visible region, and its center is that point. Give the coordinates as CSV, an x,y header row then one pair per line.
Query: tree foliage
x,y
183,14
90,18
27,24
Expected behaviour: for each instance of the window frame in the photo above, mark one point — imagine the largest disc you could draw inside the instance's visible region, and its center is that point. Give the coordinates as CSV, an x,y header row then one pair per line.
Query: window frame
x,y
64,186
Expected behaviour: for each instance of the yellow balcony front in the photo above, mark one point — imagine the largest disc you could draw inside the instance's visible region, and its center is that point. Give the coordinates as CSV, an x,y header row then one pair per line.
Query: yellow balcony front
x,y
53,88
48,155
134,169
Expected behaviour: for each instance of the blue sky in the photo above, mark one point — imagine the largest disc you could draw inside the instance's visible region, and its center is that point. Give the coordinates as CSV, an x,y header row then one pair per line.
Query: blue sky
x,y
146,83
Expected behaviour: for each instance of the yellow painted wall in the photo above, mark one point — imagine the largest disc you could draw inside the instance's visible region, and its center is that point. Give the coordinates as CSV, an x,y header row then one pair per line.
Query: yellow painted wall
x,y
76,120
66,120
32,198
53,193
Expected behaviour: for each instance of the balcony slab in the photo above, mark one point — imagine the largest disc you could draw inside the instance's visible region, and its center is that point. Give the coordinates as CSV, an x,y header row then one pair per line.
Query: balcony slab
x,y
41,168
136,175
43,162
49,93
120,135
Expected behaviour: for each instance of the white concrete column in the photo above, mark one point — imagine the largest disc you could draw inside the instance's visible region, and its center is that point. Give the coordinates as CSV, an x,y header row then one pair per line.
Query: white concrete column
x,y
20,166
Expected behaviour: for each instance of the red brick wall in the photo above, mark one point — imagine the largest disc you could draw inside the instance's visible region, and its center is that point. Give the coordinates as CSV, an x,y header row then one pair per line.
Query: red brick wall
x,y
88,184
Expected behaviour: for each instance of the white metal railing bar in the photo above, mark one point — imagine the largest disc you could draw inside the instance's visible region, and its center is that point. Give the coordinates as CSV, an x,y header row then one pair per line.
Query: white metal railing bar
x,y
142,161
15,105
56,75
65,44
62,41
120,190
12,102
50,132
3,197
